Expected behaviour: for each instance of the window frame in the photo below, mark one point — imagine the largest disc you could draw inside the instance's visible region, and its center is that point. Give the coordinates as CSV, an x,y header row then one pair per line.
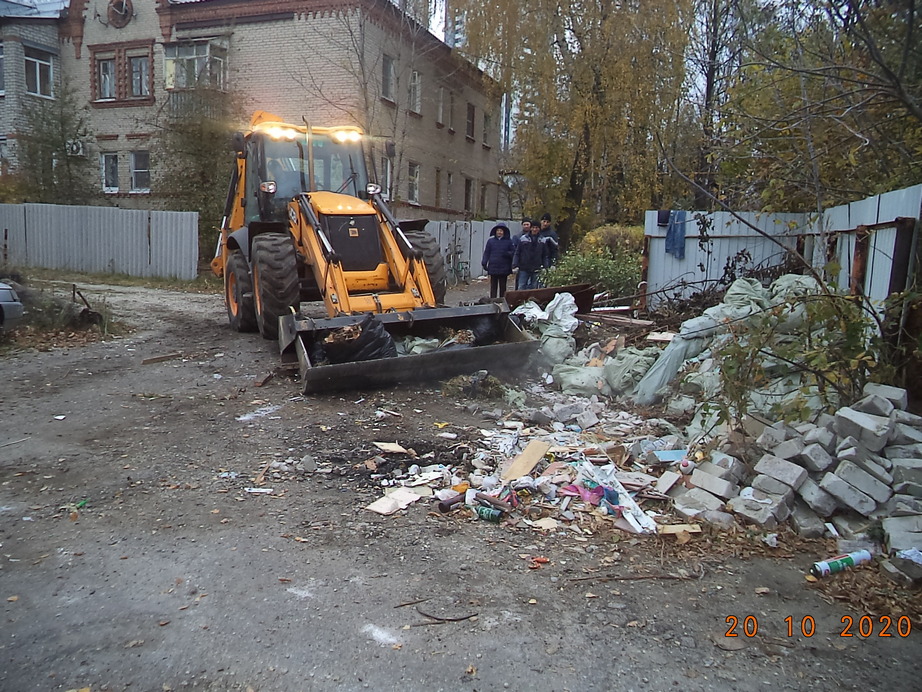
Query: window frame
x,y
104,156
415,100
387,178
468,194
123,55
38,62
388,77
471,124
413,171
209,69
112,79
145,80
135,170
440,108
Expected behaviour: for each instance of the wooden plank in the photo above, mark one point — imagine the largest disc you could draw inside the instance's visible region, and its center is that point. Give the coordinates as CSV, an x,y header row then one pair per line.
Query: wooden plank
x,y
527,460
160,359
679,528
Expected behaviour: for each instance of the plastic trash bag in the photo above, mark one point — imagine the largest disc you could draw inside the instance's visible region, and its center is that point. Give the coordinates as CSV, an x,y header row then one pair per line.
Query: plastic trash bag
x,y
580,380
373,343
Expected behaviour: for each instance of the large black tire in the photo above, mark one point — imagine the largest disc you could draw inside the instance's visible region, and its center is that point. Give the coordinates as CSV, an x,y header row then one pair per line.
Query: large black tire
x,y
238,293
435,263
275,281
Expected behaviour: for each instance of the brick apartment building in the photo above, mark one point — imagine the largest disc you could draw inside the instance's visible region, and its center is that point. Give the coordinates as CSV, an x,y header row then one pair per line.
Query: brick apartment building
x,y
333,62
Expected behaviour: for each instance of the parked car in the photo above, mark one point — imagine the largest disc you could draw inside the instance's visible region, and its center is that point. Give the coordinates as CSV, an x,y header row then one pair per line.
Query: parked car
x,y
10,308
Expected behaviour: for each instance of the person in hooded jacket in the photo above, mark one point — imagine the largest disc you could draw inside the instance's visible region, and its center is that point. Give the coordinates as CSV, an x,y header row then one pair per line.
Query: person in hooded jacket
x,y
497,259
531,256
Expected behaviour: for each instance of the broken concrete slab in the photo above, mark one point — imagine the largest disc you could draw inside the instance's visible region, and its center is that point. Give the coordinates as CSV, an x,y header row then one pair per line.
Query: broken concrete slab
x,y
896,395
715,470
752,512
863,481
722,519
770,438
666,480
847,494
788,473
772,486
714,485
817,499
907,418
806,522
737,468
904,451
907,480
901,506
587,419
864,462
906,573
692,503
871,431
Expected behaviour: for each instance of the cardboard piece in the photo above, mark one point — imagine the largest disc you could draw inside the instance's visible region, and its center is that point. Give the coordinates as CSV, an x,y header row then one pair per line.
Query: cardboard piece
x,y
397,499
390,447
527,460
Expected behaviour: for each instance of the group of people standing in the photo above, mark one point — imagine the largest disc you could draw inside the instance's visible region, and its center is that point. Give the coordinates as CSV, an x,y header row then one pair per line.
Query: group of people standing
x,y
536,248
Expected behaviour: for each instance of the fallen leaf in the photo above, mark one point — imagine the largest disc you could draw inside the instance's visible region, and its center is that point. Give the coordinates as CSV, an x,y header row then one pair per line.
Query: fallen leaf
x,y
397,647
532,601
441,425
163,623
589,594
12,599
810,578
762,590
682,537
134,643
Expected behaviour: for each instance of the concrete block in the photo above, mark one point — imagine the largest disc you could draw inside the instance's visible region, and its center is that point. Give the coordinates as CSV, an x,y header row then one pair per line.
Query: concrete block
x,y
696,501
908,488
789,448
815,457
737,468
666,480
881,461
824,437
806,522
817,499
907,418
851,525
847,494
871,431
903,533
803,428
543,416
825,420
903,434
864,462
779,469
714,485
715,470
897,396
752,512
567,412
718,518
769,485
904,451
770,438
875,405
906,573
863,481
901,505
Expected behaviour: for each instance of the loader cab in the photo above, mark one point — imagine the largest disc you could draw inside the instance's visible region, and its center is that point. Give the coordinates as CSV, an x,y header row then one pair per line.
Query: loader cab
x,y
281,165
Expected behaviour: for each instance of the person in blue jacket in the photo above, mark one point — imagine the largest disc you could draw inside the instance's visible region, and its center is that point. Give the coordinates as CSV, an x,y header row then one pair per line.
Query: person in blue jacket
x,y
531,256
497,259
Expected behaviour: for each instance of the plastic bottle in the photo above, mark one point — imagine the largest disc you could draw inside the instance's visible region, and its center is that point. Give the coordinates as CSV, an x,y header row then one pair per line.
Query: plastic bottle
x,y
839,563
488,513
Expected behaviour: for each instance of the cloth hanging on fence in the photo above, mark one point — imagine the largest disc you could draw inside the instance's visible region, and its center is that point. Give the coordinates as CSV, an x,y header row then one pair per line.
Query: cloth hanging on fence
x,y
675,234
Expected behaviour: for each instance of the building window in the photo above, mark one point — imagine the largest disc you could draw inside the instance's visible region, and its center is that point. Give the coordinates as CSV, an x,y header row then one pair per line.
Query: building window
x,y
140,171
487,129
388,78
483,198
471,116
105,78
449,182
438,187
468,194
387,177
2,87
39,74
122,73
4,163
140,75
413,183
440,107
416,97
451,111
198,64
108,164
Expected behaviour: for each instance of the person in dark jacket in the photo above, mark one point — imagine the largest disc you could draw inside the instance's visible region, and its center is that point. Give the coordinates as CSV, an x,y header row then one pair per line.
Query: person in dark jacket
x,y
497,259
550,237
531,256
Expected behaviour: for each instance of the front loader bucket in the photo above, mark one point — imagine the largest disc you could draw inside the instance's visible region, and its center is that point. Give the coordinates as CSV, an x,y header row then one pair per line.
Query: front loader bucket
x,y
509,347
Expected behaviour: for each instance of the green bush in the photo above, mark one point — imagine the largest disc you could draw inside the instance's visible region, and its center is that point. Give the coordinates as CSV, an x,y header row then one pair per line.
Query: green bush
x,y
618,239
619,275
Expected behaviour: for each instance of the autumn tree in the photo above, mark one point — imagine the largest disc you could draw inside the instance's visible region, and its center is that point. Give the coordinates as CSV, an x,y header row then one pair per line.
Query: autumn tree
x,y
596,82
53,167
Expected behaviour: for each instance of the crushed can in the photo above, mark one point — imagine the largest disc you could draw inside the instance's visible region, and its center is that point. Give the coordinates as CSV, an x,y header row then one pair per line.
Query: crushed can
x,y
839,563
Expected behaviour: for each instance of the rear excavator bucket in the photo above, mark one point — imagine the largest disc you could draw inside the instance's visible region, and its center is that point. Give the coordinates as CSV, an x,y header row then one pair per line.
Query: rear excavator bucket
x,y
462,340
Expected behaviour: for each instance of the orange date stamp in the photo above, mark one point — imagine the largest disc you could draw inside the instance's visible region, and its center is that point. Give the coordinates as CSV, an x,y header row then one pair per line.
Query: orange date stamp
x,y
863,627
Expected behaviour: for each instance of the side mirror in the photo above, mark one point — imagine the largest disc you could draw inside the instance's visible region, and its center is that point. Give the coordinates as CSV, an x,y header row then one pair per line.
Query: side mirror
x,y
373,189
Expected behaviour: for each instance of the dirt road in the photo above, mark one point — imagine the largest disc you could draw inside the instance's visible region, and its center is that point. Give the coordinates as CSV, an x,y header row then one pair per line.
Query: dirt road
x,y
134,557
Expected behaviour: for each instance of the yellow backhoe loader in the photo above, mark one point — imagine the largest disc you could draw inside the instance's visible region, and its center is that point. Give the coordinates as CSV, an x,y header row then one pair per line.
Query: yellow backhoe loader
x,y
303,223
